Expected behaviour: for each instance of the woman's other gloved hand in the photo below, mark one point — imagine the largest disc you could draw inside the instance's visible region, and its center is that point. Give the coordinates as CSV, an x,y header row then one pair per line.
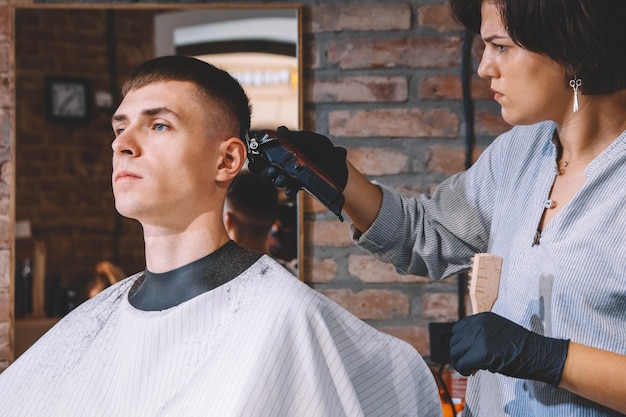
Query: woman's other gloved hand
x,y
489,341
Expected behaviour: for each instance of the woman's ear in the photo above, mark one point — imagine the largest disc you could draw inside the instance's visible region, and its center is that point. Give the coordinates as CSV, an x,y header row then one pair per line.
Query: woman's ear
x,y
232,158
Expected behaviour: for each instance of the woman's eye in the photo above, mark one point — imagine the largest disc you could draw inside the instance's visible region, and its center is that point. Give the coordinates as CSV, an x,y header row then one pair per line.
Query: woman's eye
x,y
499,48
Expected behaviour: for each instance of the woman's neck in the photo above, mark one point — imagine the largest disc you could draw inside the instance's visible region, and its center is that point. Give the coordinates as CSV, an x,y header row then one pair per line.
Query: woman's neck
x,y
589,132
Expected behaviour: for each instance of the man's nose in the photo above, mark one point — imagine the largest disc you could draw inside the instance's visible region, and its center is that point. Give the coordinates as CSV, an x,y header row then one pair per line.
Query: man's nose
x,y
125,143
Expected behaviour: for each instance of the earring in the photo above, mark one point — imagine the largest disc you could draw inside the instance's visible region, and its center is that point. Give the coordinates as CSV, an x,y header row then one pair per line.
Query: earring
x,y
575,83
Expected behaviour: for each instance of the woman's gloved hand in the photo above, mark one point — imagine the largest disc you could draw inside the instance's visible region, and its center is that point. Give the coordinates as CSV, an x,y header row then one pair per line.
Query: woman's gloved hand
x,y
317,148
489,341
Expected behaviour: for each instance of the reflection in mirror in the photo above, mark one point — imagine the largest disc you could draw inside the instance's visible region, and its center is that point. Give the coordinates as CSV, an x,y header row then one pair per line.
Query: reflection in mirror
x,y
69,64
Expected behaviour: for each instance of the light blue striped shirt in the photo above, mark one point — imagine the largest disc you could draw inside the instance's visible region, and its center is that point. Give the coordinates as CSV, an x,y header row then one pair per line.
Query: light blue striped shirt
x,y
572,285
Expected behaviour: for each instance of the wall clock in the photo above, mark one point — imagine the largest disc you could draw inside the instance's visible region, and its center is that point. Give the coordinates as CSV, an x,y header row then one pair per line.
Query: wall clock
x,y
68,99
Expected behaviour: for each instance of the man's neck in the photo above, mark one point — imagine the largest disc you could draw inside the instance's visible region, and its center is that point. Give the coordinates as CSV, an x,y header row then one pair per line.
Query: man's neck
x,y
160,291
181,239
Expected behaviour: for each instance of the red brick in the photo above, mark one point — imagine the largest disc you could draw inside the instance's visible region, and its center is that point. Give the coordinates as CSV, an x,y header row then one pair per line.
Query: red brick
x,y
370,270
488,123
416,336
6,171
478,47
360,17
5,23
6,344
5,226
360,89
446,159
320,271
378,161
450,160
5,302
481,88
406,123
441,87
327,233
5,63
440,307
438,16
5,265
371,304
311,56
6,92
391,53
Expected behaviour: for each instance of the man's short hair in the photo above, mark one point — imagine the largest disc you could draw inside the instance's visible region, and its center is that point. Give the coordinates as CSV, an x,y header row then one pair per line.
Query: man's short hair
x,y
215,85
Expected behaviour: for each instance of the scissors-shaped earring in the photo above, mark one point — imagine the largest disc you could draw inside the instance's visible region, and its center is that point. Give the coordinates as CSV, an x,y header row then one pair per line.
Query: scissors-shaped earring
x,y
575,83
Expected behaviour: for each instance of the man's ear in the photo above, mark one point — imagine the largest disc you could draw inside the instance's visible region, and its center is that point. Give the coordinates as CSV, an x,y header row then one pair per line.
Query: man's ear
x,y
233,155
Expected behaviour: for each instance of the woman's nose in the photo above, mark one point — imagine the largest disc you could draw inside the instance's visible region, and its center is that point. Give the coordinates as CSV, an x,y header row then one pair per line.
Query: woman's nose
x,y
486,68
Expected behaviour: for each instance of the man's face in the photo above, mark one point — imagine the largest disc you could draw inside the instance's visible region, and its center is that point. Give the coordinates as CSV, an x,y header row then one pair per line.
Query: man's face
x,y
165,155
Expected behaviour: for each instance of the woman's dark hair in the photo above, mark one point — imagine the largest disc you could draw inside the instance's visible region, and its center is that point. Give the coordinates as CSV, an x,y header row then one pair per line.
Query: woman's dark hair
x,y
586,37
215,84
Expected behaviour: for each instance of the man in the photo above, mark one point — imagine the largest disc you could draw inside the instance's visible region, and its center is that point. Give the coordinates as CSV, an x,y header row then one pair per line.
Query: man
x,y
210,328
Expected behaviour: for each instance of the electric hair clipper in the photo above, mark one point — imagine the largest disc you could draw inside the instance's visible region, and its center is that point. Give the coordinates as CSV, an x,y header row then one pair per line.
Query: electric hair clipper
x,y
267,148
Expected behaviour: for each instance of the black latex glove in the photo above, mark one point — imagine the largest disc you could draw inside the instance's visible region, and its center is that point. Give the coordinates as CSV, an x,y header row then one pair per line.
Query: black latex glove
x,y
491,342
319,149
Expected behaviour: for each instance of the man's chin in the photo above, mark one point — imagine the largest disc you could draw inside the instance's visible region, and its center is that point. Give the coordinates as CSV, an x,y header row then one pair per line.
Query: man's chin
x,y
128,212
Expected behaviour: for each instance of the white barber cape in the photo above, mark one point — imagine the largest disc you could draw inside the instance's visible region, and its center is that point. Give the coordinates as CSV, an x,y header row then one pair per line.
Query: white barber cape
x,y
263,344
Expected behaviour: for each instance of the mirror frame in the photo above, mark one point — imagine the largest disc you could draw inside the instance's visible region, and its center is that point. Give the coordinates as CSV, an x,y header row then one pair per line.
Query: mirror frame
x,y
13,134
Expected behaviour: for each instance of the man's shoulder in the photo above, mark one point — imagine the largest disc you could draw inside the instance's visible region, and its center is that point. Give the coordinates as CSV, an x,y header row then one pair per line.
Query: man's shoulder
x,y
285,295
309,322
268,273
98,308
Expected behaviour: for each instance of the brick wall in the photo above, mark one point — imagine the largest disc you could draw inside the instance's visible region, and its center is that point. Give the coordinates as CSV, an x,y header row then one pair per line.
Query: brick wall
x,y
63,181
381,78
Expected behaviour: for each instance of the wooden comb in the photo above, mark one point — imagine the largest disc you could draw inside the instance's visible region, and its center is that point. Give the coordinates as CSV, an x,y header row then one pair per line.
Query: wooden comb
x,y
484,281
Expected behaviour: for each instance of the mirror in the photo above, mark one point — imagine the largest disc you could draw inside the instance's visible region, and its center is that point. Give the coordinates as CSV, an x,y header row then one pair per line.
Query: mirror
x,y
70,61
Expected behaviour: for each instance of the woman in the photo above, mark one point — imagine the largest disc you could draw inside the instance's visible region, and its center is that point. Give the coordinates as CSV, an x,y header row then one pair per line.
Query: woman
x,y
548,196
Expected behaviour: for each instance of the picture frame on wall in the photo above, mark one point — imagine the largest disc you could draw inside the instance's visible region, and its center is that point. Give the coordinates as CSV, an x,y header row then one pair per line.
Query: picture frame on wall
x,y
68,99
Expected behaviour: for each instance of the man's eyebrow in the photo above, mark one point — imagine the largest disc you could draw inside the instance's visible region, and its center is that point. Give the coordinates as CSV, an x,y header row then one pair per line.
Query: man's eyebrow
x,y
147,112
158,110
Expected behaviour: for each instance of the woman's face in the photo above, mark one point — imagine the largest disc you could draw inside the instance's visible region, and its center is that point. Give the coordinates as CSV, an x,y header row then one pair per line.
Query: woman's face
x,y
530,87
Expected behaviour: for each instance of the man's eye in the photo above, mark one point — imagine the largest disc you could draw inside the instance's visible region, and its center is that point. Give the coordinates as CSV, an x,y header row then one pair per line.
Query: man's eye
x,y
118,132
160,127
